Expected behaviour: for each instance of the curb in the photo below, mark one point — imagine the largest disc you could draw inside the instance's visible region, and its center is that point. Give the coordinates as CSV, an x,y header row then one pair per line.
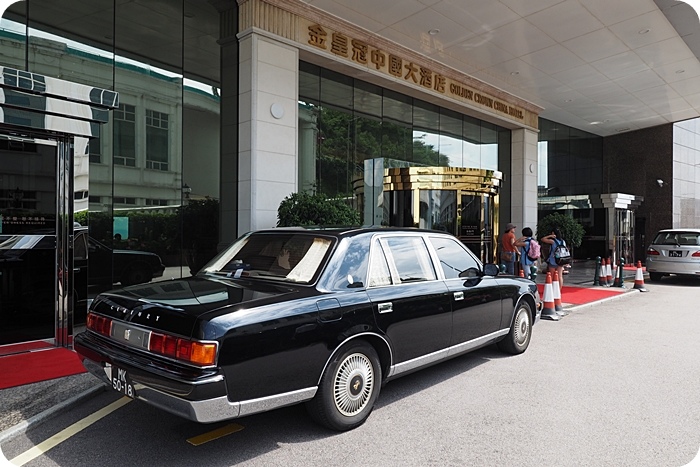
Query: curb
x,y
25,425
601,301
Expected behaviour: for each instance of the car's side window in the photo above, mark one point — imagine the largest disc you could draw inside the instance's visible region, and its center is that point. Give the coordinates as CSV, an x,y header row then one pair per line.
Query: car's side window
x,y
411,259
454,259
348,267
379,269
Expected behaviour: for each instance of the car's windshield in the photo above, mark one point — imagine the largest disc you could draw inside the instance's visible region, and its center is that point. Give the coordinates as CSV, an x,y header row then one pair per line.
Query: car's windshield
x,y
288,256
677,237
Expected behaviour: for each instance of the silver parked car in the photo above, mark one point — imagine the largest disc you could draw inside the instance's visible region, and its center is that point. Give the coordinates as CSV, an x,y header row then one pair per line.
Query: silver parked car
x,y
674,251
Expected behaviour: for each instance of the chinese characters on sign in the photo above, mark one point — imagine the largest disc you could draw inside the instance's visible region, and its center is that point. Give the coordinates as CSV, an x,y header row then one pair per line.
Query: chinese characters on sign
x,y
362,53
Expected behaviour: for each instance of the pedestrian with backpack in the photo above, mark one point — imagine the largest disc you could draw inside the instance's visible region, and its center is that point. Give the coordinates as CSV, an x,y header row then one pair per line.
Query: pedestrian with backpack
x,y
559,254
529,251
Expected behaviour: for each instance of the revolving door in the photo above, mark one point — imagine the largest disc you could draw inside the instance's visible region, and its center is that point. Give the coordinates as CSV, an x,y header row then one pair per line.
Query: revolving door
x,y
461,201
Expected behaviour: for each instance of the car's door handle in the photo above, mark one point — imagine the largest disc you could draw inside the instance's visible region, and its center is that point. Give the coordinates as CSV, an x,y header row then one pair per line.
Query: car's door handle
x,y
459,296
385,307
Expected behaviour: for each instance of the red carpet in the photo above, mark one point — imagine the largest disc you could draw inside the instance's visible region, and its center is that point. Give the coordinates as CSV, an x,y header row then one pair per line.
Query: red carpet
x,y
582,295
32,367
23,347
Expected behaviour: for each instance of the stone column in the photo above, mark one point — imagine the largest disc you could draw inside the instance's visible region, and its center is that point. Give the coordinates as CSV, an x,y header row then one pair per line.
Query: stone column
x,y
524,179
268,121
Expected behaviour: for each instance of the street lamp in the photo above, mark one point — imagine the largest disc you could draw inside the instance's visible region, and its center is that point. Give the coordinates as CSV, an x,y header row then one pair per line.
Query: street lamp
x,y
186,190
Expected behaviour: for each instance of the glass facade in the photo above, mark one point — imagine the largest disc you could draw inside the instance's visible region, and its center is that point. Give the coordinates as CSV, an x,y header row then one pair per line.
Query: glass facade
x,y
350,131
150,181
686,174
570,175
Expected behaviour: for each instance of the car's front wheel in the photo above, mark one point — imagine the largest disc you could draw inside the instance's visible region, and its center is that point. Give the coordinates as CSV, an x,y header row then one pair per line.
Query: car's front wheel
x,y
518,339
348,389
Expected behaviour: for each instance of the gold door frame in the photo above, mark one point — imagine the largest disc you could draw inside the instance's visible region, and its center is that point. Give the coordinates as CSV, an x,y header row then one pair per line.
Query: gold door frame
x,y
462,180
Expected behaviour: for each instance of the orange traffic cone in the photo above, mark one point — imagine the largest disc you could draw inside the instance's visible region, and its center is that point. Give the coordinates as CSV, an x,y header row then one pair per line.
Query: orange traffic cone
x,y
608,273
639,278
603,277
615,281
548,311
556,292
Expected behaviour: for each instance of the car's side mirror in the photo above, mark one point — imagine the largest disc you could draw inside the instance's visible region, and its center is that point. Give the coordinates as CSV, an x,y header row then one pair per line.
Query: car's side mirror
x,y
491,269
471,273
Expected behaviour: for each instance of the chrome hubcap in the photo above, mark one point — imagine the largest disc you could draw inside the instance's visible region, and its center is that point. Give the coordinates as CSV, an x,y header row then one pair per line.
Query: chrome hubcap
x,y
522,327
354,382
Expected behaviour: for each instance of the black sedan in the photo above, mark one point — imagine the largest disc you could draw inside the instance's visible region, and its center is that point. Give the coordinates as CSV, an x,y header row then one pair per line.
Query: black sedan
x,y
292,315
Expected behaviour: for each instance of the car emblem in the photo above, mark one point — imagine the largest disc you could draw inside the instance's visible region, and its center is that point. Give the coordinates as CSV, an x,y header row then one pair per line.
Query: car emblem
x,y
127,333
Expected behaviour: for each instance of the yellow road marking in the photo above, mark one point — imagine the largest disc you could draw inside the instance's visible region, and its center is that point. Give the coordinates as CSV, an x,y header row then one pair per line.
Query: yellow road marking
x,y
61,436
216,434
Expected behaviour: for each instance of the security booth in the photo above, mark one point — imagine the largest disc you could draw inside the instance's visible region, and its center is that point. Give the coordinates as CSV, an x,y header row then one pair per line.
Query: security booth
x,y
620,224
458,200
45,126
608,220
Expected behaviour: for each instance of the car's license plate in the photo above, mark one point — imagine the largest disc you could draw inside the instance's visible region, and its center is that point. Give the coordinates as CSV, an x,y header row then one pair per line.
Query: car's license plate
x,y
121,382
675,254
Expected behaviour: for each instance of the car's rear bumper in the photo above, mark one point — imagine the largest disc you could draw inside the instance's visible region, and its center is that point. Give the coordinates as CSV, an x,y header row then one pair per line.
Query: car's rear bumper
x,y
198,397
665,266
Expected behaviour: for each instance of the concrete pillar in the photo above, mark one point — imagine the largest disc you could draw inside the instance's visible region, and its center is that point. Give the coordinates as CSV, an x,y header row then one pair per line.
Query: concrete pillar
x,y
268,120
524,179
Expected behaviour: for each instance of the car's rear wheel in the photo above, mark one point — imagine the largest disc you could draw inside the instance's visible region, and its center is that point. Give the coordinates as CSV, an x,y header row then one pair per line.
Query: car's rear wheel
x,y
655,276
348,389
518,339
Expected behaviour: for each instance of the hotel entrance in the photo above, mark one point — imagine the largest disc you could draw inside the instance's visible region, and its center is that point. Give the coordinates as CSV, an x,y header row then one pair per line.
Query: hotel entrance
x,y
461,201
35,226
45,124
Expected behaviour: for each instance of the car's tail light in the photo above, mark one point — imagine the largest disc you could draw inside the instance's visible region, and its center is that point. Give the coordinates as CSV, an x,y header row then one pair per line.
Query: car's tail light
x,y
99,324
190,351
652,252
199,353
696,254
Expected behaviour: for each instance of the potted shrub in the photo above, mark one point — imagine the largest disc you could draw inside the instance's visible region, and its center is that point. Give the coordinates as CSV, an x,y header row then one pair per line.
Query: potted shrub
x,y
315,209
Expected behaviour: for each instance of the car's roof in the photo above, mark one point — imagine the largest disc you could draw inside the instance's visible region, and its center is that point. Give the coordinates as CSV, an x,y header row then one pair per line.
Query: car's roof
x,y
348,231
679,230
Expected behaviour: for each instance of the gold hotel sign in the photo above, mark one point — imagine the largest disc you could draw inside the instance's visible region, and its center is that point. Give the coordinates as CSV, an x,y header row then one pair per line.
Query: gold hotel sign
x,y
362,53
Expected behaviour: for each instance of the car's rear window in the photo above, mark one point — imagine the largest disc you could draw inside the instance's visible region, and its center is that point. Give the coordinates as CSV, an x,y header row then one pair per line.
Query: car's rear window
x,y
677,237
294,257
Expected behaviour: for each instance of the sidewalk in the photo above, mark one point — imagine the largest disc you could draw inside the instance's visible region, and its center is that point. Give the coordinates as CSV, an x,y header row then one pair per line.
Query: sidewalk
x,y
31,404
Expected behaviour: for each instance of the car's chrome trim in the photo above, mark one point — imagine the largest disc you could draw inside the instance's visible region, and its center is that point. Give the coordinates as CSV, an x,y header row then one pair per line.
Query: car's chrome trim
x,y
219,408
443,354
474,343
264,404
418,362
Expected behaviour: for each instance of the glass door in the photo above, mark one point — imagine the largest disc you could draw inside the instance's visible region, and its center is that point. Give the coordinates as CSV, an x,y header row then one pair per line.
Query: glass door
x,y
476,214
32,245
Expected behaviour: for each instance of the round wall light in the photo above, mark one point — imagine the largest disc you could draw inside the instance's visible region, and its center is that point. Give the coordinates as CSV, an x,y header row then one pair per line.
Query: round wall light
x,y
277,110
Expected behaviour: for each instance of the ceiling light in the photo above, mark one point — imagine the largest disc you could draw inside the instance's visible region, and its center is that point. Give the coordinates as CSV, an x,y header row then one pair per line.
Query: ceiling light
x,y
569,100
433,32
678,72
644,31
620,130
514,73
